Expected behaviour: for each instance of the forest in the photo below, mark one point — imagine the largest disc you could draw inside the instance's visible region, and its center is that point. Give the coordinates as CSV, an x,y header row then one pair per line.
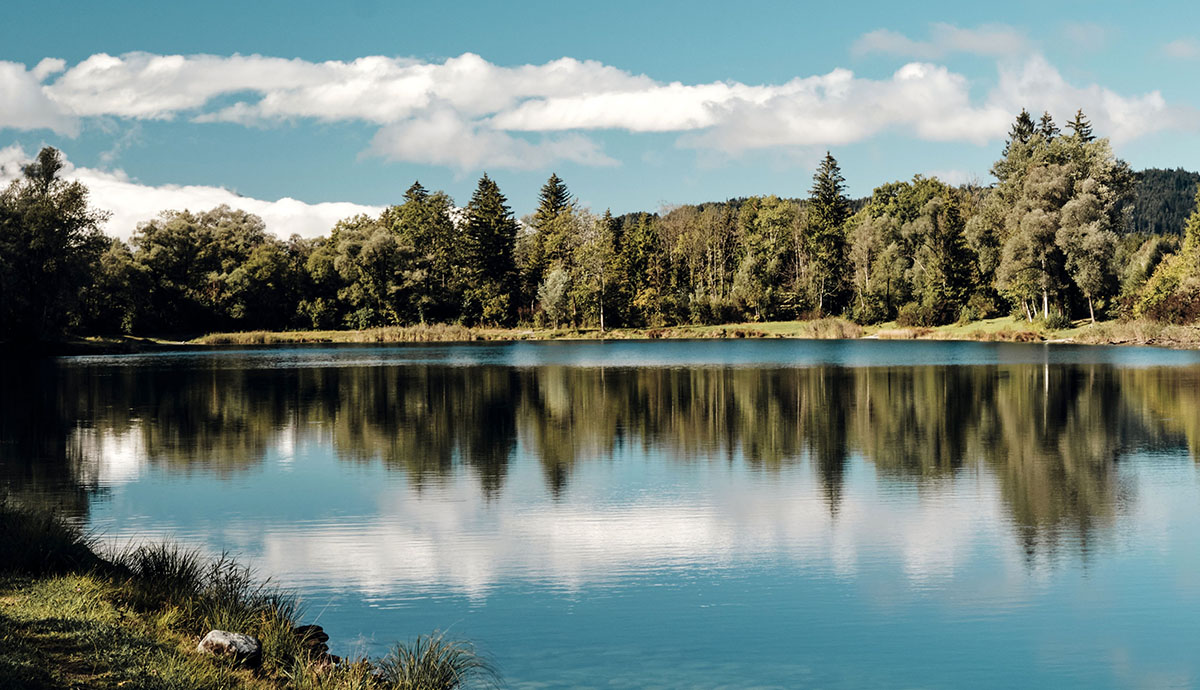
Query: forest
x,y
1066,231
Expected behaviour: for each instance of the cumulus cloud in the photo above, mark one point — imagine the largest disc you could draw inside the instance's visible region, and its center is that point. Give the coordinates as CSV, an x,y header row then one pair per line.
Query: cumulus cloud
x,y
131,202
1184,49
1038,86
995,40
444,137
468,114
26,105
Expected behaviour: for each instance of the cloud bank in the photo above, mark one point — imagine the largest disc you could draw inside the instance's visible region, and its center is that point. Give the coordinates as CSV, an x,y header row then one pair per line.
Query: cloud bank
x,y
131,202
466,113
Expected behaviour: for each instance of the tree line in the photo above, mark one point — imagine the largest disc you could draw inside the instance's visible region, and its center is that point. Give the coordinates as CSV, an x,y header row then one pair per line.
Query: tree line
x,y
1052,239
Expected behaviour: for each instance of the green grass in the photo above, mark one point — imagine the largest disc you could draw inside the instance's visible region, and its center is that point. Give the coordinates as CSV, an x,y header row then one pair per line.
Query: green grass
x,y
432,662
71,618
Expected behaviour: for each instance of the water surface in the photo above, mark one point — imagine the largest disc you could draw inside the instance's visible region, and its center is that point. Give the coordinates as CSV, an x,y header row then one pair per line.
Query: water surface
x,y
668,514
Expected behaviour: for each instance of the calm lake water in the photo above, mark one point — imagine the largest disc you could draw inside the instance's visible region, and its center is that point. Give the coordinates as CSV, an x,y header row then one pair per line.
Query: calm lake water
x,y
668,514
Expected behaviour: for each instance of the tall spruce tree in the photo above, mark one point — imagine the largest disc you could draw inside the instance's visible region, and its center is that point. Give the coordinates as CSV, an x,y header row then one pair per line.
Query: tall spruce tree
x,y
828,210
1021,132
490,237
1047,128
1080,127
549,243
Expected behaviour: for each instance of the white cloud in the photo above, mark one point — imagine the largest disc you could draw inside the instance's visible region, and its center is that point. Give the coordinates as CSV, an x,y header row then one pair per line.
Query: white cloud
x,y
993,40
25,105
131,202
469,114
1184,49
444,137
1038,86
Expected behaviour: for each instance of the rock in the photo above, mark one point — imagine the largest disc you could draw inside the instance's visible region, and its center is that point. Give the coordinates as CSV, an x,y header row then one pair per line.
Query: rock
x,y
311,635
244,649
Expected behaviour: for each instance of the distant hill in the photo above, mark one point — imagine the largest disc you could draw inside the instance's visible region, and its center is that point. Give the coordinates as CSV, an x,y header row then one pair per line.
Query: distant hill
x,y
1163,200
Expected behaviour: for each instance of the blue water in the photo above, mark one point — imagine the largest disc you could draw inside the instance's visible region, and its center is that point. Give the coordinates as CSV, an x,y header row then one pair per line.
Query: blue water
x,y
845,514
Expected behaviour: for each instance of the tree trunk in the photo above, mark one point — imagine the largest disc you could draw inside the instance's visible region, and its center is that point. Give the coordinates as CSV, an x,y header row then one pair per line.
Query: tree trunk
x,y
1027,314
1091,310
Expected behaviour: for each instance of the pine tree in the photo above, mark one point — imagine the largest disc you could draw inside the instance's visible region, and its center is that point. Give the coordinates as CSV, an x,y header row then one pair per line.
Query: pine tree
x,y
490,236
1047,128
1022,131
549,243
828,210
553,201
1080,127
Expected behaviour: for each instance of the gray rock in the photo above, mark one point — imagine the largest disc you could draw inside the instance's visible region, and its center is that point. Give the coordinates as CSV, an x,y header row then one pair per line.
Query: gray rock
x,y
244,649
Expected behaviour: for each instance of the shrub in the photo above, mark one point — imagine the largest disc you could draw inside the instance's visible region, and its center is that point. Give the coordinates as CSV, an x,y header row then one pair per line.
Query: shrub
x,y
916,315
1057,319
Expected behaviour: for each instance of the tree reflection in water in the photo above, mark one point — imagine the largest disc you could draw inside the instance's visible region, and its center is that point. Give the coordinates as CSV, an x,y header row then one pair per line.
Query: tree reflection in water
x,y
1052,435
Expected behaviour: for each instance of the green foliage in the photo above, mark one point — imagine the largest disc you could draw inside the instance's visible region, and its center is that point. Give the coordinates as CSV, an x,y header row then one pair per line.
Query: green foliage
x,y
553,295
824,244
1163,200
491,233
1052,233
1172,294
50,243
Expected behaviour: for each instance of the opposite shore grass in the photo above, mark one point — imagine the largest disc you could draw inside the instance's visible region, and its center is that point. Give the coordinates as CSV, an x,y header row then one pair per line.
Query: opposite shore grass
x,y
73,617
1003,329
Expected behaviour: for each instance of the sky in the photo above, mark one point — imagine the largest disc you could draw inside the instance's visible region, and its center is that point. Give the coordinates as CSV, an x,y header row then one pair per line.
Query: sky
x,y
307,112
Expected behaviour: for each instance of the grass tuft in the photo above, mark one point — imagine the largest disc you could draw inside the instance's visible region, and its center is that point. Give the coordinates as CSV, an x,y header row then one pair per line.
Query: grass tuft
x,y
432,662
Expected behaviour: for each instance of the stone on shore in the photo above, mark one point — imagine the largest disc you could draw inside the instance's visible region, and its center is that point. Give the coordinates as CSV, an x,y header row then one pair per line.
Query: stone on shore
x,y
244,649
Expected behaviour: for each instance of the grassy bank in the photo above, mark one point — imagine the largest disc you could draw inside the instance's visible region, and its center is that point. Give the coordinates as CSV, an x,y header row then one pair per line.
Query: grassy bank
x,y
990,330
73,617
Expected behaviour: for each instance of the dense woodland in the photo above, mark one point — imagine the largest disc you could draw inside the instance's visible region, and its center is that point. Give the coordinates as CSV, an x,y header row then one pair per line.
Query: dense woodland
x,y
1066,231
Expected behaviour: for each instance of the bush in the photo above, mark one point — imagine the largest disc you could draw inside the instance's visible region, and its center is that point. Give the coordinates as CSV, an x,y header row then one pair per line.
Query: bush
x,y
916,315
1057,319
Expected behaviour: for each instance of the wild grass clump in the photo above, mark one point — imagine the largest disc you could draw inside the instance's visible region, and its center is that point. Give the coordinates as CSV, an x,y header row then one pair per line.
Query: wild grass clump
x,y
37,542
832,328
197,594
133,620
432,662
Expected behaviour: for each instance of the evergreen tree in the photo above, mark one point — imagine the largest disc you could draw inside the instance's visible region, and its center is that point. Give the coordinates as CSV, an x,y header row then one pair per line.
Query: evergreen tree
x,y
828,210
1021,132
549,243
553,201
1047,128
491,233
1080,127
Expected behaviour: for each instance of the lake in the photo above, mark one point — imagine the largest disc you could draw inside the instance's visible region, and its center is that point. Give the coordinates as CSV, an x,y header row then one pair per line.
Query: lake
x,y
708,514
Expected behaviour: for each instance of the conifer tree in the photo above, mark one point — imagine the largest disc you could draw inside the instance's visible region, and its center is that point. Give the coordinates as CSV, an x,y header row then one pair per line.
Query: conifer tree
x,y
1021,132
549,243
828,210
1047,128
490,235
1080,127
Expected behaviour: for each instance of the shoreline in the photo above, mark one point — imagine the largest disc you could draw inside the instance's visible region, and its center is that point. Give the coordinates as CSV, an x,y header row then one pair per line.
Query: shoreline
x,y
1003,329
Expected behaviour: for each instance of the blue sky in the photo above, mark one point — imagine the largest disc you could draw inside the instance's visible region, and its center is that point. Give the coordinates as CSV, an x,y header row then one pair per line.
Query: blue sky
x,y
656,103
